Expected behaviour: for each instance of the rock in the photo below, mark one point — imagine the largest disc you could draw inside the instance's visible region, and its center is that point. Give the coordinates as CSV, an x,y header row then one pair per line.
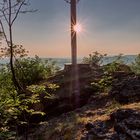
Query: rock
x,y
89,114
84,138
127,123
96,130
89,126
127,89
121,114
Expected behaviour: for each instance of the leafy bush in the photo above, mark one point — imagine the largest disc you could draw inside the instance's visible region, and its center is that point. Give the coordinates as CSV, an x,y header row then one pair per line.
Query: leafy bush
x,y
136,65
13,105
116,65
32,70
18,51
7,95
112,67
103,84
29,70
94,59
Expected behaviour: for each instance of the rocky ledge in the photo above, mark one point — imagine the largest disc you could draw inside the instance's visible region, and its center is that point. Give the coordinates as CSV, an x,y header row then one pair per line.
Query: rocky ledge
x,y
126,89
124,124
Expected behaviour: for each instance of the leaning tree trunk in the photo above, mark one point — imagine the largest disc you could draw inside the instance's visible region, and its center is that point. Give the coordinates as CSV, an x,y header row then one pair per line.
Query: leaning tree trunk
x,y
15,81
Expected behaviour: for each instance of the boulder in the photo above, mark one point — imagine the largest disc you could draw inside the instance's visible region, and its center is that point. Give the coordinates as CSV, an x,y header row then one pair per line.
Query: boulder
x,y
124,124
99,130
127,123
126,89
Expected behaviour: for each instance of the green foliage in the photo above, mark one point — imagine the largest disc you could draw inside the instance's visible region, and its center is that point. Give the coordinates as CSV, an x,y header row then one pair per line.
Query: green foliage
x,y
18,51
7,103
114,66
13,105
136,65
103,84
37,90
94,59
53,86
32,70
29,70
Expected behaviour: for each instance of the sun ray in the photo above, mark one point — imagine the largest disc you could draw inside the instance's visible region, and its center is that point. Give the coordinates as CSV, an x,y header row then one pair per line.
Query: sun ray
x,y
77,28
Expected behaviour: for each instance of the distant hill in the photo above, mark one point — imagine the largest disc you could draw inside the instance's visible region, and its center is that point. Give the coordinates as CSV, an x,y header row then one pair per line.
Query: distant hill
x,y
128,59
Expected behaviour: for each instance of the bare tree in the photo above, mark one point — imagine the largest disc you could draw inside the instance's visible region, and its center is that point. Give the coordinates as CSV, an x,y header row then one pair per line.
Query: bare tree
x,y
9,11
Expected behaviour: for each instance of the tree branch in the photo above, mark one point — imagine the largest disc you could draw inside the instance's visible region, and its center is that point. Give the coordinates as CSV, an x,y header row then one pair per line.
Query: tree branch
x,y
4,15
3,31
17,12
69,1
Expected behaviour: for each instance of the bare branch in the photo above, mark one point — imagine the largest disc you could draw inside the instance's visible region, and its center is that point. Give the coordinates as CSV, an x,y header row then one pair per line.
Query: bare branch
x,y
69,1
3,31
17,12
4,15
5,9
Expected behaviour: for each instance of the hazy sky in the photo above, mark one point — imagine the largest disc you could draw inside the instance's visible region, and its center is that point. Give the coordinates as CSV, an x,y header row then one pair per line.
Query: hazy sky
x,y
109,26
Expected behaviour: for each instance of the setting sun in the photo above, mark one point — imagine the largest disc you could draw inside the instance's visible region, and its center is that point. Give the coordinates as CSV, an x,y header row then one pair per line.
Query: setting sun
x,y
77,28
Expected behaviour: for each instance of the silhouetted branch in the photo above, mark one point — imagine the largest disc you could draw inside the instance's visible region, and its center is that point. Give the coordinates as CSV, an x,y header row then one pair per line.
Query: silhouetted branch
x,y
69,1
17,12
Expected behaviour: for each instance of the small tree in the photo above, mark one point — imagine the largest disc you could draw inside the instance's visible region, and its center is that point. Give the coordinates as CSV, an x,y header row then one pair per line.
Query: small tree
x,y
9,11
94,59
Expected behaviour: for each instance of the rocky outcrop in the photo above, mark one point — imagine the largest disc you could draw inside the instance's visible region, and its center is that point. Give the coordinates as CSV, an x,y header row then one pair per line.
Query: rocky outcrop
x,y
124,124
99,131
127,123
126,89
65,98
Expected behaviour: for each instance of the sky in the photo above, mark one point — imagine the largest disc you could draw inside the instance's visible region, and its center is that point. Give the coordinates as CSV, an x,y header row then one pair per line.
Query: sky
x,y
108,26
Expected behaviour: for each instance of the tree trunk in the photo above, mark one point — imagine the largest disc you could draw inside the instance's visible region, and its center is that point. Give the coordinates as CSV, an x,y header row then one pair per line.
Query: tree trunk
x,y
15,81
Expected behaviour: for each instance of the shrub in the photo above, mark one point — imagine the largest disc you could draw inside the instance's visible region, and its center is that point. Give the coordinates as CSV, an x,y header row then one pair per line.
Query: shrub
x,y
32,70
135,67
116,65
13,104
94,59
103,84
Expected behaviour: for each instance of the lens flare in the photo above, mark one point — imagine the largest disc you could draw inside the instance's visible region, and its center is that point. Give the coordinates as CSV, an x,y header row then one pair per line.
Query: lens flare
x,y
77,28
